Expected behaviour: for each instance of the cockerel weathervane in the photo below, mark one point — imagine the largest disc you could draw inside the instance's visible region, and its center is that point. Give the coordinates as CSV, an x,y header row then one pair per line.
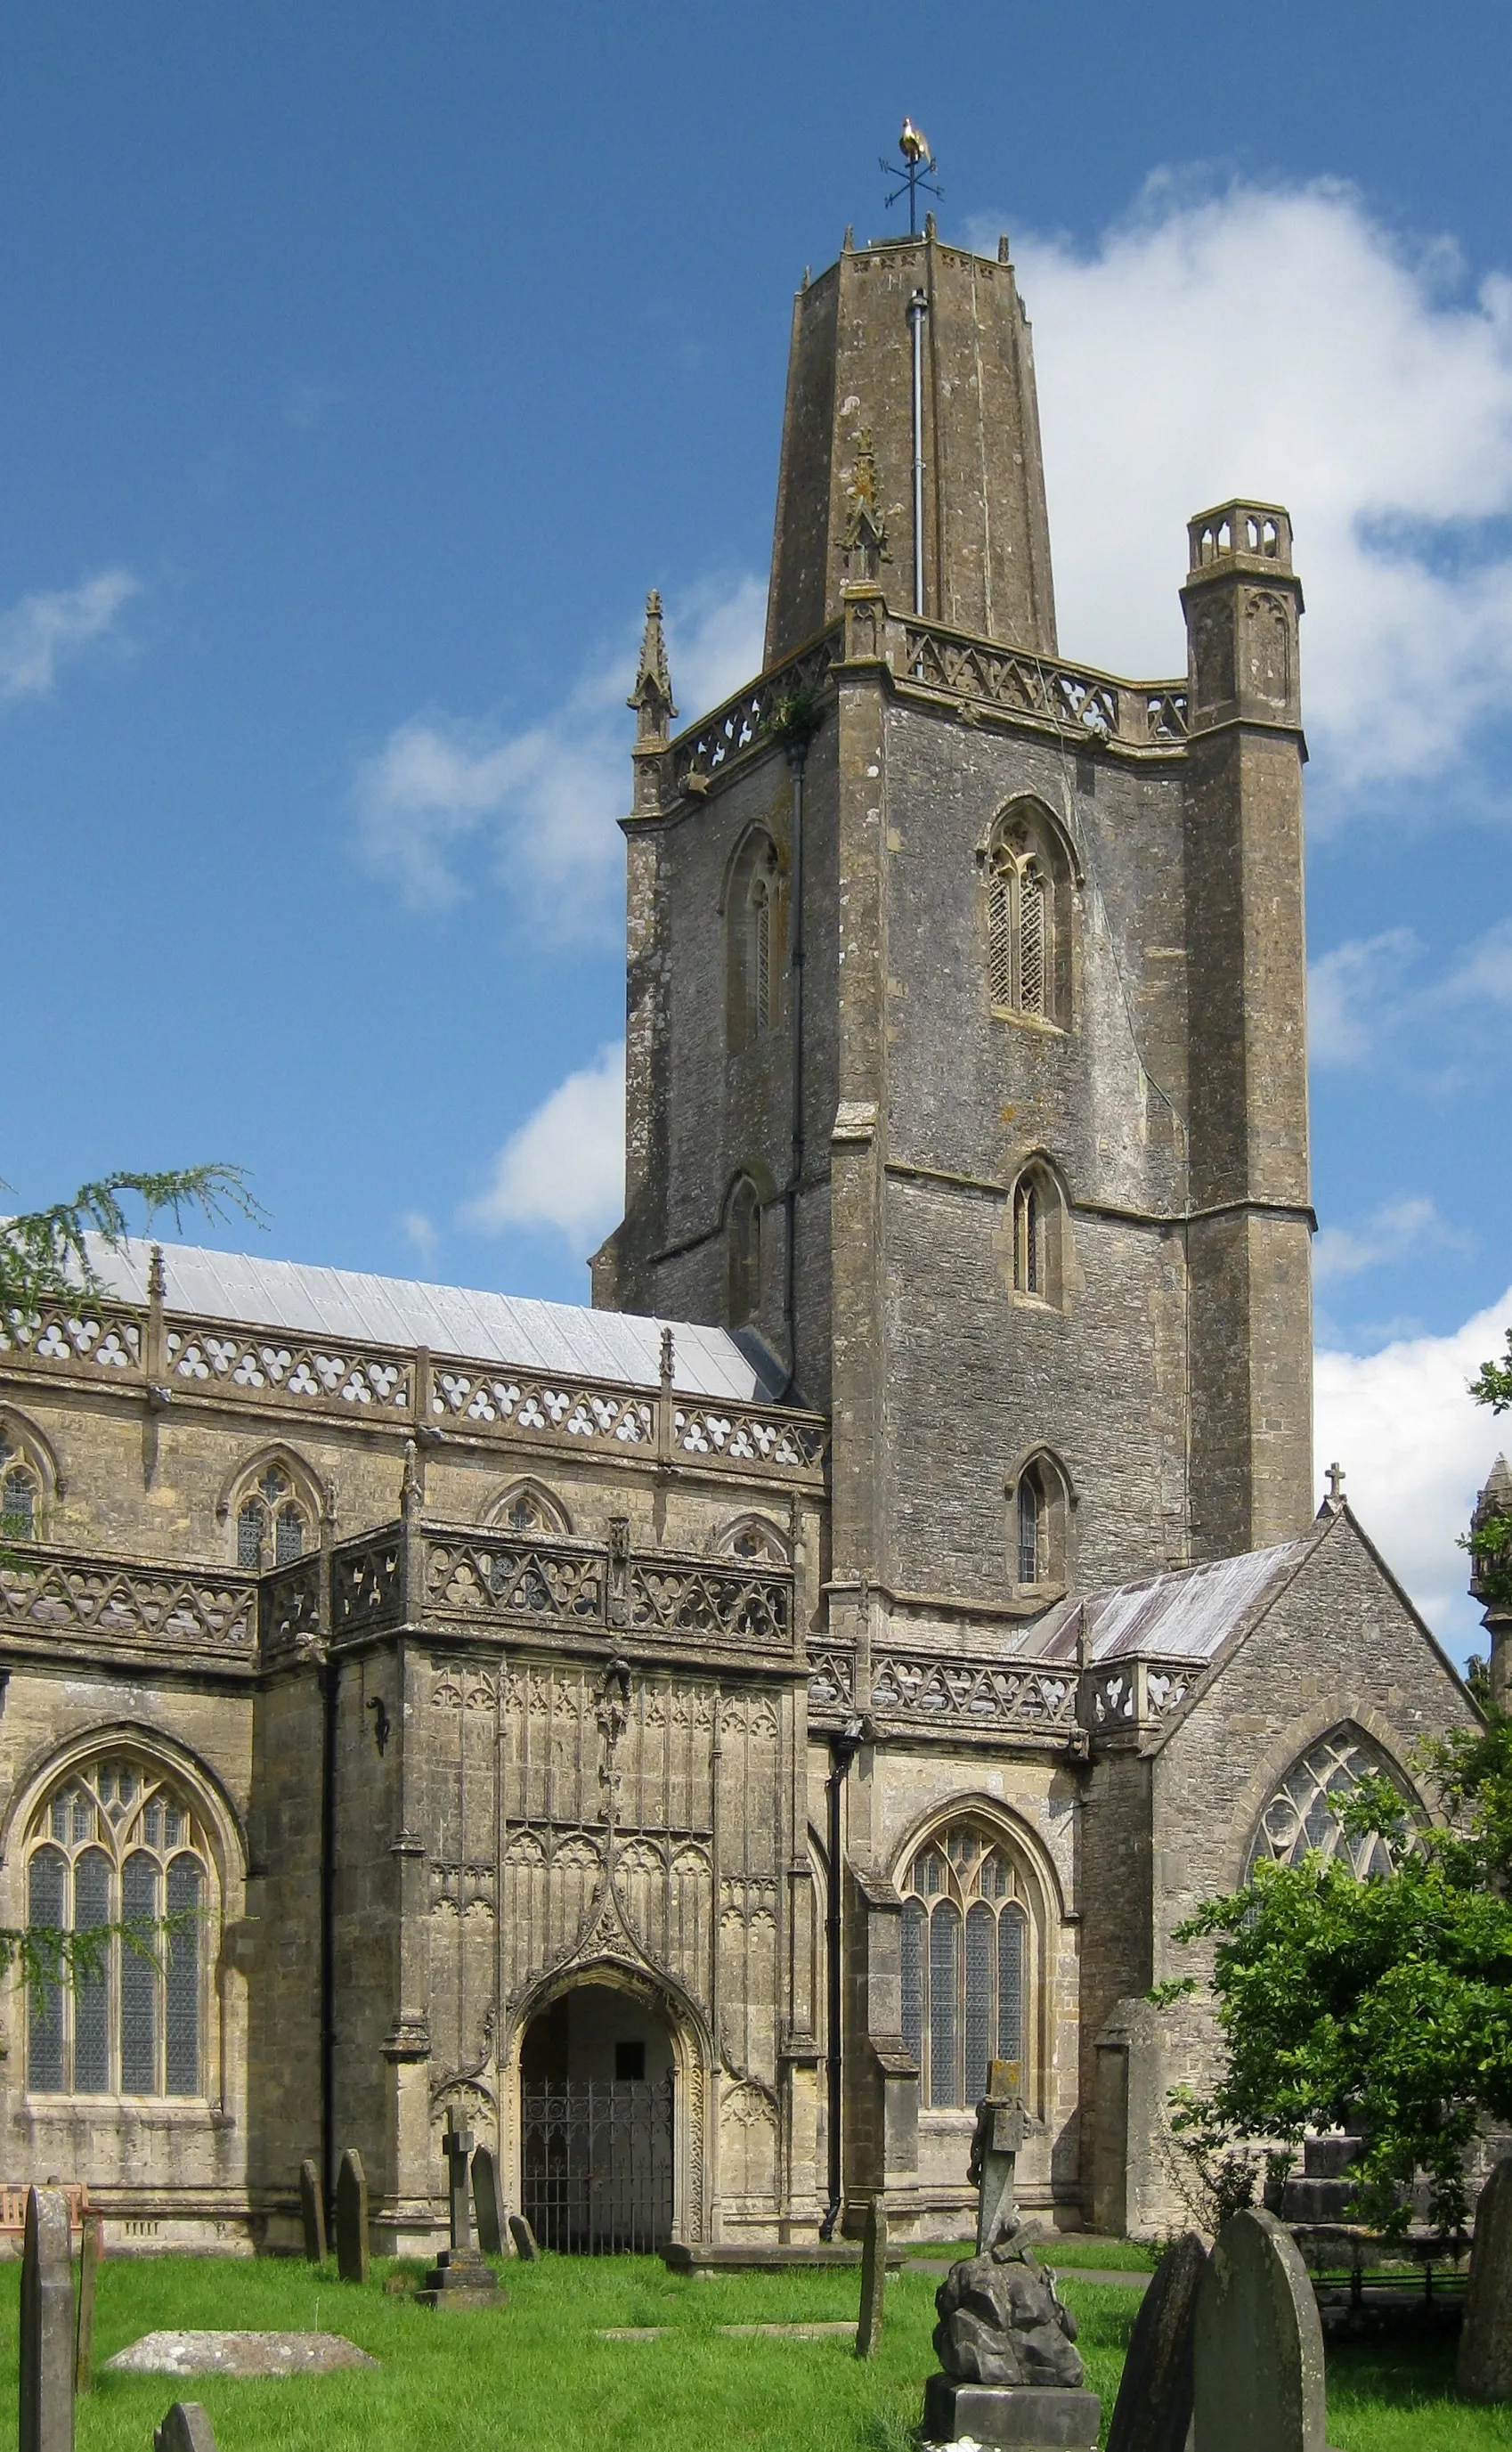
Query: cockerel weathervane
x,y
918,169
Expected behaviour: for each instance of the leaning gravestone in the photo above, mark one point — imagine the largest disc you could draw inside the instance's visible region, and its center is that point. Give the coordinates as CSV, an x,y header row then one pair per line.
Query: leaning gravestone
x,y
873,2281
92,2248
312,2212
488,2202
1258,2368
1153,2409
48,2344
186,2428
524,2239
1485,2369
351,2218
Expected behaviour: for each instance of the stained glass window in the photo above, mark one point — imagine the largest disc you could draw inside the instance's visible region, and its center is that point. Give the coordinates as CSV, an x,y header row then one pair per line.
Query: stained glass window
x,y
271,1519
18,1502
107,1848
964,1965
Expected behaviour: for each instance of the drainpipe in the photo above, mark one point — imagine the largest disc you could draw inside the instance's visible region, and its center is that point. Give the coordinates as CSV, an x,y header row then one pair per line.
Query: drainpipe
x,y
330,1678
797,757
842,1753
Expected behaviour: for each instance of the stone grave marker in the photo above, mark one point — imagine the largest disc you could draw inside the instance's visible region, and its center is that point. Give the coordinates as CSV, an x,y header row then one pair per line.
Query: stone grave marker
x,y
995,2152
186,2428
312,2212
873,2281
459,2277
92,2248
1153,2409
351,2218
1484,2368
488,2202
1258,2373
48,2339
524,2239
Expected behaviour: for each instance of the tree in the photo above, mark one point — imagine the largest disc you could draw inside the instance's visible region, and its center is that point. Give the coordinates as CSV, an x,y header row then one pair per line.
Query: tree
x,y
1490,1540
45,1257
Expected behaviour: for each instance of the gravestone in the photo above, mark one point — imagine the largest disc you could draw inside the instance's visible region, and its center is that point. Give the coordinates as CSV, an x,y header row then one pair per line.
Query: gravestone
x,y
1484,2368
47,2344
351,2218
1258,2373
1153,2409
488,2202
524,2239
312,2212
186,2428
873,2281
92,2247
459,2277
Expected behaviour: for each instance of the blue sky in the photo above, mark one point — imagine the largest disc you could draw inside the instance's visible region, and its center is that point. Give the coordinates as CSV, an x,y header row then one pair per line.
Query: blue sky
x,y
363,367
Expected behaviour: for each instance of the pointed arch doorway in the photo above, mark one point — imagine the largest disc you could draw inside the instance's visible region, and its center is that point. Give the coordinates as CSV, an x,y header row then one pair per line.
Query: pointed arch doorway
x,y
597,2104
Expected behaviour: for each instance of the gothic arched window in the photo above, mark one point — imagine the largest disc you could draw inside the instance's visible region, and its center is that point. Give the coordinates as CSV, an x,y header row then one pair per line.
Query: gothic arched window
x,y
1299,1817
742,1228
1039,1236
1028,917
121,1842
528,1507
964,1965
752,953
20,1495
273,1523
755,1537
1038,1510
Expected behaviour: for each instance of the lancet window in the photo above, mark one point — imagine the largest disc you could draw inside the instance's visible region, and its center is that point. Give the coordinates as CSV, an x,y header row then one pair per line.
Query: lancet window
x,y
121,1843
752,949
964,1965
1299,1817
20,1494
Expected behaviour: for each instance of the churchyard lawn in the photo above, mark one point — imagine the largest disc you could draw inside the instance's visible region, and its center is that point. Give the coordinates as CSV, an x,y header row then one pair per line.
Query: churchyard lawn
x,y
533,2377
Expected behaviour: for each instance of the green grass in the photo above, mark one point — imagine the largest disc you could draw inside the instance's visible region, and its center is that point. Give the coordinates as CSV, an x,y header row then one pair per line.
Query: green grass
x,y
533,2378
1065,2251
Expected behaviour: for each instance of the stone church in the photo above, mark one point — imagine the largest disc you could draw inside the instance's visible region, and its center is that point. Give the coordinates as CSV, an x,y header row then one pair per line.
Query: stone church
x,y
695,1733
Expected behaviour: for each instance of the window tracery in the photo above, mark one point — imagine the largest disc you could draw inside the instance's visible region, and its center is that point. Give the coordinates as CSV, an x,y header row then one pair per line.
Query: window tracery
x,y
965,1968
1027,917
529,1506
20,1494
121,1842
275,1510
1300,1819
753,1536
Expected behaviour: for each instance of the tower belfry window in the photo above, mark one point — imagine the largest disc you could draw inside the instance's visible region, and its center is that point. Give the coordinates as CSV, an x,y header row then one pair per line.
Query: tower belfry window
x,y
1028,908
751,947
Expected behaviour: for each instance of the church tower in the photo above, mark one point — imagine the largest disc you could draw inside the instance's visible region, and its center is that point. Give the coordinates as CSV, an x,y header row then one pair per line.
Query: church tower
x,y
966,998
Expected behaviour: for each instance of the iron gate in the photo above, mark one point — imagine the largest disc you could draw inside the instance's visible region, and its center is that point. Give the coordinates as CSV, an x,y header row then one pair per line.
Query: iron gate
x,y
596,2165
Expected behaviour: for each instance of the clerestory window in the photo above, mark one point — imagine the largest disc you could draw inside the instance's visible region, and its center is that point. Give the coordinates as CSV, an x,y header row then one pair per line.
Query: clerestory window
x,y
20,1495
120,1843
964,1965
272,1524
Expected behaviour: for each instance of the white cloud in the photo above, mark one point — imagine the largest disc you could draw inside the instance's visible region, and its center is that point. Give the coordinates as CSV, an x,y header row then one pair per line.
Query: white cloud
x,y
1393,1232
1282,345
1416,1447
544,800
565,1166
419,1232
1483,972
1348,992
38,633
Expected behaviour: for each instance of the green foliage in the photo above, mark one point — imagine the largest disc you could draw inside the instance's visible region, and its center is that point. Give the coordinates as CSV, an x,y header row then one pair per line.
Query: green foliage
x,y
1492,1385
795,720
43,1254
43,1956
1382,2005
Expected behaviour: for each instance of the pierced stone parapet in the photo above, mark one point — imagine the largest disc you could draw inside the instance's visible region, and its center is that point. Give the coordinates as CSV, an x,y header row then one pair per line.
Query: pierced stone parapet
x,y
64,1594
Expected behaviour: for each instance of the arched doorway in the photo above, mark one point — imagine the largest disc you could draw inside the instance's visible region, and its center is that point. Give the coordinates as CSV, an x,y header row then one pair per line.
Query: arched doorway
x,y
597,2099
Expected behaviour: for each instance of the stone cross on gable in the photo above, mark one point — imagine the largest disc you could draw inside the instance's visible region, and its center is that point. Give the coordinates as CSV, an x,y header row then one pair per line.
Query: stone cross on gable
x,y
994,2153
1335,1485
459,2145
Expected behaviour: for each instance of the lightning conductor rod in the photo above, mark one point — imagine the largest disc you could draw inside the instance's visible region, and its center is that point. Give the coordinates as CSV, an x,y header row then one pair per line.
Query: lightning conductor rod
x,y
918,307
